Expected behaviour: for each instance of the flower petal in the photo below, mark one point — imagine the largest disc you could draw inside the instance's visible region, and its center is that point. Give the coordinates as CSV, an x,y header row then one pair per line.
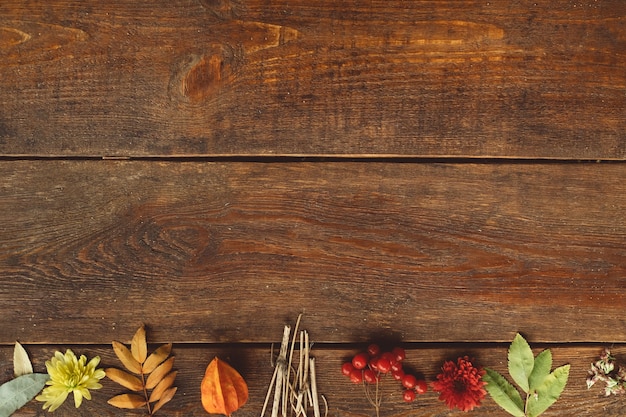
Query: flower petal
x,y
78,397
52,400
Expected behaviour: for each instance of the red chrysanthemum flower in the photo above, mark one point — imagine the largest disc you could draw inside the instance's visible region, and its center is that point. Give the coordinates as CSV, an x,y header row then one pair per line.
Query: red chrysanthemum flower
x,y
460,384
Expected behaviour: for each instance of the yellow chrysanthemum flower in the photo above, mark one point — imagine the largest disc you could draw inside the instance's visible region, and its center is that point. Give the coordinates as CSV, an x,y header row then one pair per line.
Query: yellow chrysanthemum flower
x,y
70,374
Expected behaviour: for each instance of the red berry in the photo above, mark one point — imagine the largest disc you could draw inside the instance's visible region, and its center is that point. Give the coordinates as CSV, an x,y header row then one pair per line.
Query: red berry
x,y
396,366
421,386
399,354
397,375
383,365
360,360
389,356
347,368
369,376
374,364
373,349
356,376
409,381
408,395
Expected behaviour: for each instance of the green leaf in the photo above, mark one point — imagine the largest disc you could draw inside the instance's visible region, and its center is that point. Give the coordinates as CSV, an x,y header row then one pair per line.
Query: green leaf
x,y
548,392
543,364
503,393
21,362
19,391
521,362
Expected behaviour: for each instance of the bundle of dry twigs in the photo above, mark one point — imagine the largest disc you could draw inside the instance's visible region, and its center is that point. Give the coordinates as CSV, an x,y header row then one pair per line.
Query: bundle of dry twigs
x,y
295,388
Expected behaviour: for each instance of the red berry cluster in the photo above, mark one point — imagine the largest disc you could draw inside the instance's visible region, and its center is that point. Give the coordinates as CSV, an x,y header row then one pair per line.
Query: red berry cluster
x,y
368,367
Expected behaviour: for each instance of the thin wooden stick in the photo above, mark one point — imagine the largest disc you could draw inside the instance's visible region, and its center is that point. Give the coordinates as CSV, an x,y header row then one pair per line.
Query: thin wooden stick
x,y
285,395
301,371
269,391
305,348
281,364
316,405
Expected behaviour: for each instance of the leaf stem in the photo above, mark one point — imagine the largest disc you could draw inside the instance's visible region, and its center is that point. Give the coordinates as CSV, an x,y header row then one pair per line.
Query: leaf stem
x,y
145,391
526,405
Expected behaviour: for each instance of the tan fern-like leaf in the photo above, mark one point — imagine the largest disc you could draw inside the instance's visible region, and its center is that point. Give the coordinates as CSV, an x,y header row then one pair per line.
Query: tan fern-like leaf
x,y
139,346
159,373
129,401
151,373
162,386
124,379
156,358
165,398
126,357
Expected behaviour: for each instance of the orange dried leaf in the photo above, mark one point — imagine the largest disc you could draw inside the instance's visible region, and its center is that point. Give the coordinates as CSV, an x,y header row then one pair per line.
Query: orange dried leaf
x,y
223,390
156,358
165,398
126,357
157,375
165,383
127,401
124,379
139,346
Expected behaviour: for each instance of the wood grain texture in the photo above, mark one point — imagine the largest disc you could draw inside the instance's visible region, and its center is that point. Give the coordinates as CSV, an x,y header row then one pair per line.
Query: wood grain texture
x,y
344,398
440,204
510,79
221,252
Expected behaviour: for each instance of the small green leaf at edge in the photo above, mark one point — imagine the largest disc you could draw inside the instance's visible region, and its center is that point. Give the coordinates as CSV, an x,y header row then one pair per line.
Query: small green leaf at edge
x,y
17,392
503,393
541,370
21,361
548,392
521,362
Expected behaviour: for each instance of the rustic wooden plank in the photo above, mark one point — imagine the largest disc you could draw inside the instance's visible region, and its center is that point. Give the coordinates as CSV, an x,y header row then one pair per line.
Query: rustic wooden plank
x,y
344,399
421,78
220,252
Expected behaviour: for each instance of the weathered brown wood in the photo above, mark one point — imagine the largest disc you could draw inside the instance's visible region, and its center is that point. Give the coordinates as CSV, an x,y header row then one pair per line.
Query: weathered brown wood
x,y
216,254
221,252
344,398
419,78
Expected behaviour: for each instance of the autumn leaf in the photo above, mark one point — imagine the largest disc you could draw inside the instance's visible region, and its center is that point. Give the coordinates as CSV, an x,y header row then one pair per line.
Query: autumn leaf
x,y
165,398
146,372
156,358
162,386
139,346
124,379
159,373
21,361
223,390
127,401
126,357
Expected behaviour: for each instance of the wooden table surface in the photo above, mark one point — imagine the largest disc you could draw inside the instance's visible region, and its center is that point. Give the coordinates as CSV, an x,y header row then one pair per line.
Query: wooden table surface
x,y
435,174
